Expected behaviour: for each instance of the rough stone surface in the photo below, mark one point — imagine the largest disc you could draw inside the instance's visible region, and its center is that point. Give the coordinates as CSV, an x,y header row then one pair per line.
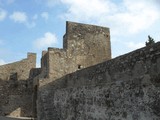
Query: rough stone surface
x,y
84,45
20,69
16,87
124,88
80,82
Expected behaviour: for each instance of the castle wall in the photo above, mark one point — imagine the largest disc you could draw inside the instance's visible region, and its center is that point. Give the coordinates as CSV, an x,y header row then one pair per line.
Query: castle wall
x,y
83,46
57,62
124,88
20,69
88,41
15,98
45,64
16,87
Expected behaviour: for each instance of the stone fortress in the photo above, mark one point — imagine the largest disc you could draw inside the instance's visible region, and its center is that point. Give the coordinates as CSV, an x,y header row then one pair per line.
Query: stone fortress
x,y
82,82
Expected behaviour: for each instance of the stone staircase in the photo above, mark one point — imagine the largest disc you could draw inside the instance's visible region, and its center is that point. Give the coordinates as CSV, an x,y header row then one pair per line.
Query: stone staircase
x,y
16,118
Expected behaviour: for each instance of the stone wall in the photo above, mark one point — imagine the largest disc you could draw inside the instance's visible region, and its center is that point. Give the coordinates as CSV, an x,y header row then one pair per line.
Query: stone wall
x,y
15,98
124,88
16,87
83,46
20,69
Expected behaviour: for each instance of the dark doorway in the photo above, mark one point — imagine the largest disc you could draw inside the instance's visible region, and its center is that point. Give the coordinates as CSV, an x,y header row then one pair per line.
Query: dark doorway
x,y
35,102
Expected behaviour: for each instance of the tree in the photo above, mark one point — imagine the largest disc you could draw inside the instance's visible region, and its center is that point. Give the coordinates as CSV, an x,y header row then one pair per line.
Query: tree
x,y
150,41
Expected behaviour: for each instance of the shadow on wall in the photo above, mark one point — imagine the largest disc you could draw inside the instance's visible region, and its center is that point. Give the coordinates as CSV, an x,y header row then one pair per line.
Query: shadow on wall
x,y
126,87
16,95
16,99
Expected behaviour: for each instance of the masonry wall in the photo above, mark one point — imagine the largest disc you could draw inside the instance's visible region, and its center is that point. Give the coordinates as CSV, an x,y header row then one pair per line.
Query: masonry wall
x,y
58,63
44,64
83,46
16,87
88,41
21,69
15,98
124,88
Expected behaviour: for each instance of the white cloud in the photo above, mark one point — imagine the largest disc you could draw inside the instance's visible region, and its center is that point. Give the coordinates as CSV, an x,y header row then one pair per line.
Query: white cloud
x,y
126,17
19,17
3,14
45,15
2,62
87,10
133,46
49,39
140,15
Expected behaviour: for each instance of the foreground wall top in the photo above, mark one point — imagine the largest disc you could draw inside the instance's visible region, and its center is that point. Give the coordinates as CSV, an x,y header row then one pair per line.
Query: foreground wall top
x,y
124,88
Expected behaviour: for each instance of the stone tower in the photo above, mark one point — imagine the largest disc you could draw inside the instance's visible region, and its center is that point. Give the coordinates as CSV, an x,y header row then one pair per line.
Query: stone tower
x,y
83,46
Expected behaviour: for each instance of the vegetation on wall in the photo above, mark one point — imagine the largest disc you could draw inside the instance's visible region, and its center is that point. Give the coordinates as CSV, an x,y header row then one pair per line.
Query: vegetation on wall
x,y
150,41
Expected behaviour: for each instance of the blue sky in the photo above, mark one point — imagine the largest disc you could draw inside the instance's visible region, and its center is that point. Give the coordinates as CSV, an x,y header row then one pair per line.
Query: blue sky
x,y
35,25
